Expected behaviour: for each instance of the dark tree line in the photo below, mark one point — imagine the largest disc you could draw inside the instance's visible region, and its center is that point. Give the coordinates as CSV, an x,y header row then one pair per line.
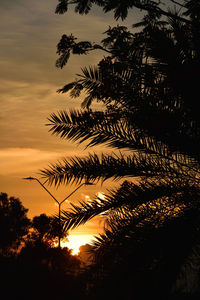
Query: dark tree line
x,y
32,266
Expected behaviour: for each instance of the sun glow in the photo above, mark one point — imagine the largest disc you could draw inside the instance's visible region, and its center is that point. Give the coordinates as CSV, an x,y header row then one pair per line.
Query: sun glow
x,y
75,241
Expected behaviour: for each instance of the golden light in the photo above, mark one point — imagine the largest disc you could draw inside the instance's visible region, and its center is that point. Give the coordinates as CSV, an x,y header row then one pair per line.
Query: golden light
x,y
76,241
87,198
76,250
100,196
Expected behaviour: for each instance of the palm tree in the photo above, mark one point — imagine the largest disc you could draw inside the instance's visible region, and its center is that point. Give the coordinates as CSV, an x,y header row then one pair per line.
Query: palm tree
x,y
153,116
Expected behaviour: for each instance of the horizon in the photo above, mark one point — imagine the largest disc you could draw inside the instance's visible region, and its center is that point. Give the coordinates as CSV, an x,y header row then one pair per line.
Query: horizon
x,y
75,241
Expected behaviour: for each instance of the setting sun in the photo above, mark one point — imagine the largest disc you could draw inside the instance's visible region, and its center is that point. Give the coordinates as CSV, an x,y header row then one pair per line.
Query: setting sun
x,y
75,241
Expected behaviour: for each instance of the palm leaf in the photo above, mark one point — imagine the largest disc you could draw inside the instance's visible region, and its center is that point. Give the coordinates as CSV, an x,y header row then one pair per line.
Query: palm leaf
x,y
94,167
129,203
133,227
119,131
101,128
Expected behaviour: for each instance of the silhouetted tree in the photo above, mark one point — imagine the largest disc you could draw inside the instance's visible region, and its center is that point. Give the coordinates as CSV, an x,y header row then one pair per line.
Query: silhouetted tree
x,y
42,273
44,268
14,223
46,230
40,245
149,85
121,8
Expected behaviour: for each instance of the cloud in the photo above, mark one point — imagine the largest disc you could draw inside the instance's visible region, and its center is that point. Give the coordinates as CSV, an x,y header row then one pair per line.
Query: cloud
x,y
24,111
30,31
25,161
29,79
9,4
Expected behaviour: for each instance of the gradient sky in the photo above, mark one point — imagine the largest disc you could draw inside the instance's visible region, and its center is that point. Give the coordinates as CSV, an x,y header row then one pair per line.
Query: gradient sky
x,y
30,31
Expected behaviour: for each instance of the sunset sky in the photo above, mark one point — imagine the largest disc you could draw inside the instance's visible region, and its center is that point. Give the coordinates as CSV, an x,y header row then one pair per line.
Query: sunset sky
x,y
30,31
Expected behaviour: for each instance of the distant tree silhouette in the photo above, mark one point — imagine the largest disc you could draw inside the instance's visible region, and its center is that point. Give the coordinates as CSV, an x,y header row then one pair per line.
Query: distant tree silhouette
x,y
36,270
44,268
45,230
43,273
149,84
14,223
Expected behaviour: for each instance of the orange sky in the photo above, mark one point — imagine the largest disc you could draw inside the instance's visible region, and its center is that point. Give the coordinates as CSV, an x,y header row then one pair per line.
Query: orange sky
x,y
29,79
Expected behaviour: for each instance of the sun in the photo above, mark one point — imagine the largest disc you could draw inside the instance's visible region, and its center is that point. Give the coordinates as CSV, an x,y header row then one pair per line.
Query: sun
x,y
75,241
75,249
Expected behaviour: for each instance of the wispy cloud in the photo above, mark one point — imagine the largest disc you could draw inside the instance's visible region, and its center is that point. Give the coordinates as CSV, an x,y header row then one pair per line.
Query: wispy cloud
x,y
29,79
19,161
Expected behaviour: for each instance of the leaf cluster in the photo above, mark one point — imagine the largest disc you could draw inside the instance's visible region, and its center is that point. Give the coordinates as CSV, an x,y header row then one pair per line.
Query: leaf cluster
x,y
45,230
14,223
67,45
148,83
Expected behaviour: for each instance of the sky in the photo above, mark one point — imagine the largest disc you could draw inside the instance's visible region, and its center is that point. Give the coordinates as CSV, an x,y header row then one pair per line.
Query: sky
x,y
30,31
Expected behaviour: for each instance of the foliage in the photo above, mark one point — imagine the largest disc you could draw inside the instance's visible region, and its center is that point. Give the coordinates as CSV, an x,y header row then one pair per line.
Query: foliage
x,y
37,265
121,8
47,273
149,84
14,224
46,230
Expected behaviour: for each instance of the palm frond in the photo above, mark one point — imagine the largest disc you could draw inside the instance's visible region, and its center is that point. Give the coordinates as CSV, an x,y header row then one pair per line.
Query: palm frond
x,y
91,77
67,87
93,168
129,203
131,229
101,128
115,130
96,82
90,80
